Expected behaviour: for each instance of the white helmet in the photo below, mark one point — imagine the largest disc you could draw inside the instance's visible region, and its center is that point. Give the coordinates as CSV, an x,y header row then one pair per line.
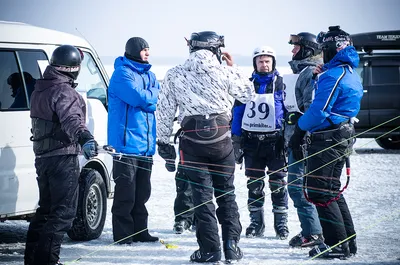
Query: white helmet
x,y
263,50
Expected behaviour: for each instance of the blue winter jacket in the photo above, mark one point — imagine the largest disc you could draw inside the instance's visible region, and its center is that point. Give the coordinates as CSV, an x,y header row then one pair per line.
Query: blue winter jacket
x,y
262,85
338,93
132,95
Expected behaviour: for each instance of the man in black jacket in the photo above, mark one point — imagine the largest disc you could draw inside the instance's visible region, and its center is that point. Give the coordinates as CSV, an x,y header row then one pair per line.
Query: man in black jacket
x,y
59,133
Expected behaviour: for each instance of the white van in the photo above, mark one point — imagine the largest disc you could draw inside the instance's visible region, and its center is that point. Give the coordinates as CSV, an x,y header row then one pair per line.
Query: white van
x,y
25,51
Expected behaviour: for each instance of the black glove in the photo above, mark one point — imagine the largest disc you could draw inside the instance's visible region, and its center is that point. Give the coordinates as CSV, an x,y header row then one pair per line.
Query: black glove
x,y
237,142
90,149
295,143
167,152
89,145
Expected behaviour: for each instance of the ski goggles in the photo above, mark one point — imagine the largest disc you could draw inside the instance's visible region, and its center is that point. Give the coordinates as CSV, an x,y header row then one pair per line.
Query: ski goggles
x,y
294,39
220,42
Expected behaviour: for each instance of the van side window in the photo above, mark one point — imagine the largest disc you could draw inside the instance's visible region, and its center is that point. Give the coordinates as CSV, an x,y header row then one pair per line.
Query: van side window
x,y
386,75
16,88
91,81
30,67
12,92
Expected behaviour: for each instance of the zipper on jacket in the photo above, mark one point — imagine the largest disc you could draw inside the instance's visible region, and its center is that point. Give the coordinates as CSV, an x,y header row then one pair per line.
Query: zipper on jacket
x,y
126,123
148,132
147,114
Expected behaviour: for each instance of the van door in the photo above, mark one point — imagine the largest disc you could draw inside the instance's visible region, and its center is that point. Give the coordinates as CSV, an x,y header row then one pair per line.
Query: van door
x,y
19,71
93,87
384,92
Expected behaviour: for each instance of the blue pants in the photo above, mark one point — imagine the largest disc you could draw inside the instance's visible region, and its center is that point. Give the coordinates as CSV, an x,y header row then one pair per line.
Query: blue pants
x,y
308,215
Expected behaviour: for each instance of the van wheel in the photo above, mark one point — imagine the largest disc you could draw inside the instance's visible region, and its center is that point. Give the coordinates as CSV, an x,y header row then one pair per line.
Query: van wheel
x,y
391,142
92,207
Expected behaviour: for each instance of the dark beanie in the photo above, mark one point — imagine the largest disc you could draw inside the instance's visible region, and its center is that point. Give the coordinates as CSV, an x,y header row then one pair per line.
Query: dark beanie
x,y
133,48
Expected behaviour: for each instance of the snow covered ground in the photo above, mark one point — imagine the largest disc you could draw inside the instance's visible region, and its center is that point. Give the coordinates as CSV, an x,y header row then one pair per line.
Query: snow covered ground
x,y
373,197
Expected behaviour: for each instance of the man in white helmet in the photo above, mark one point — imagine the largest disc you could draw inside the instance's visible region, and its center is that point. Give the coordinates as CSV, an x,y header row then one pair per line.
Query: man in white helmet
x,y
258,138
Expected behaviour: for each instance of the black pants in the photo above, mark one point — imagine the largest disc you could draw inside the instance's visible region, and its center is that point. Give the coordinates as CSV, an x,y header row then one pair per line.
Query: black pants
x,y
132,191
58,196
257,156
210,168
183,206
323,182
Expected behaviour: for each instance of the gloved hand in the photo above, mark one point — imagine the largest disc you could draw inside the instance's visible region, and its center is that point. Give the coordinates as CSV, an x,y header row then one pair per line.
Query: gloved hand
x,y
295,143
167,152
90,149
237,142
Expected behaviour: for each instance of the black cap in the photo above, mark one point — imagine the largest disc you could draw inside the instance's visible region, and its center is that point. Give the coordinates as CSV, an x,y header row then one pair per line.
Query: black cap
x,y
134,46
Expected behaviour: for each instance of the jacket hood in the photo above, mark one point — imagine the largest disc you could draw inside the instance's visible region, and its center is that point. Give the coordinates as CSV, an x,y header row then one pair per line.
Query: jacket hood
x,y
298,65
135,66
52,77
201,61
348,56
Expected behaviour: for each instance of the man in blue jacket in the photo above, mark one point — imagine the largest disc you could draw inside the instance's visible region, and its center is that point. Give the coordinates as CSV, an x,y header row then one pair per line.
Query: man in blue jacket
x,y
133,94
329,119
256,129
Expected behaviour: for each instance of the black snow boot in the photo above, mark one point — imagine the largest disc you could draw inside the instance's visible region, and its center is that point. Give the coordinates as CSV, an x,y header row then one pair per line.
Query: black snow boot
x,y
353,246
232,251
144,237
181,226
340,252
257,226
280,224
199,256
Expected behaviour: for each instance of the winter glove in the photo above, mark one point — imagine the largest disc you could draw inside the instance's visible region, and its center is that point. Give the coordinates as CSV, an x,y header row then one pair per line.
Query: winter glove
x,y
295,143
292,118
237,142
90,149
167,152
89,145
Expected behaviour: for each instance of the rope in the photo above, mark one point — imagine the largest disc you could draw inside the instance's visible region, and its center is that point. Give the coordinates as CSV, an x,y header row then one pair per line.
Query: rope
x,y
228,192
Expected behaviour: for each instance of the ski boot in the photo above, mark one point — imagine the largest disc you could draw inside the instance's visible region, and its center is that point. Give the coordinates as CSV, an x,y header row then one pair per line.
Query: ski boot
x,y
280,222
341,252
257,226
232,251
353,246
201,257
306,241
181,226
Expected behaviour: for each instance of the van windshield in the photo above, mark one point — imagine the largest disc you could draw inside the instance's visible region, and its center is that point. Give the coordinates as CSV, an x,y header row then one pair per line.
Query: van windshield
x,y
91,81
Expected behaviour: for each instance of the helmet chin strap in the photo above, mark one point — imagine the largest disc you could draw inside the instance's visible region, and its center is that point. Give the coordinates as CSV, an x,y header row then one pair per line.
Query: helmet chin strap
x,y
218,53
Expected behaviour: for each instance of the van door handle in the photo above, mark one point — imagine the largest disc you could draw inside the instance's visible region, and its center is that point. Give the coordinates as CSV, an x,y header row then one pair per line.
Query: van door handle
x,y
365,91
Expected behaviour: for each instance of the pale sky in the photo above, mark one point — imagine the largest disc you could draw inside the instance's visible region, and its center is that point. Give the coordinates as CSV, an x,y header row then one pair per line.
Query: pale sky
x,y
245,24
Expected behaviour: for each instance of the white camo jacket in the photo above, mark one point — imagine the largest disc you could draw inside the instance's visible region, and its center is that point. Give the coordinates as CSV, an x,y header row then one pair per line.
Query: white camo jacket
x,y
200,86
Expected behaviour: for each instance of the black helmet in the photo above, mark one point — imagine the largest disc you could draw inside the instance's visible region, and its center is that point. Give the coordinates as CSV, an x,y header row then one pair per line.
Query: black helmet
x,y
208,40
333,41
67,59
308,45
133,47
